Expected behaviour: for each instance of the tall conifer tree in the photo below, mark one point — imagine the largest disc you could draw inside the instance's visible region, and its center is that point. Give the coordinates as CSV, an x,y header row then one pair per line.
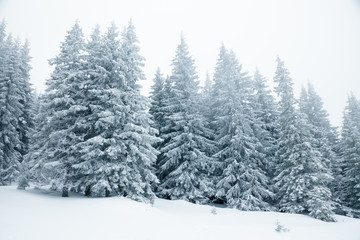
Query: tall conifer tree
x,y
56,153
302,176
157,100
242,182
265,122
350,151
324,134
184,166
12,94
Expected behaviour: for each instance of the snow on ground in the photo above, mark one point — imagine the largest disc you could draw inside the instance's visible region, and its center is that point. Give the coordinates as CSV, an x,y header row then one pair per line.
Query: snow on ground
x,y
44,215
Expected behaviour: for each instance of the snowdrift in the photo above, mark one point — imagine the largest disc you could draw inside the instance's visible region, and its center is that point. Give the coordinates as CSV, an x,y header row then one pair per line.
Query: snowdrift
x,y
44,215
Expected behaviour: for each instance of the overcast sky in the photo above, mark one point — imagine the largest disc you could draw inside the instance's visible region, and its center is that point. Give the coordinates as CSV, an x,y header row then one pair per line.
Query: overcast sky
x,y
318,40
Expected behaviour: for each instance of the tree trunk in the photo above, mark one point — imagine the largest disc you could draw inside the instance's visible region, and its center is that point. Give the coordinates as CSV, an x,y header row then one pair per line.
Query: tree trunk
x,y
87,191
65,191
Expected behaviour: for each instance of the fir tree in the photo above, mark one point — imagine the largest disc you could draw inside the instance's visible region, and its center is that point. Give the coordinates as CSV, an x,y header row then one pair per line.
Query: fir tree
x,y
312,105
137,135
15,110
265,124
207,85
62,106
302,176
184,165
324,134
11,108
242,182
117,156
166,128
157,100
33,166
26,121
206,99
350,143
99,165
95,121
27,117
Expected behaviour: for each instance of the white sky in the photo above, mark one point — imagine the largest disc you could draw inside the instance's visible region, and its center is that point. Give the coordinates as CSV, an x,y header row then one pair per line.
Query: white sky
x,y
318,40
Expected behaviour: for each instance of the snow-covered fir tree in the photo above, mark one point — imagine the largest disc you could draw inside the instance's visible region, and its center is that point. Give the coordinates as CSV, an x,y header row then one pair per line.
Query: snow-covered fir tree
x,y
312,105
302,175
55,153
9,139
157,100
32,168
185,166
350,151
207,85
98,64
167,124
117,156
26,120
159,96
15,94
326,140
206,99
242,182
204,105
230,141
137,136
265,124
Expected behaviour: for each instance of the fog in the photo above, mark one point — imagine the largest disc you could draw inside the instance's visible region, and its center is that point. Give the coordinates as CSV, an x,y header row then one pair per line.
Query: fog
x,y
318,40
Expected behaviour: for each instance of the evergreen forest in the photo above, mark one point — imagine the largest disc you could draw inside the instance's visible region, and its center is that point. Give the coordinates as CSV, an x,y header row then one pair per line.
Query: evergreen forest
x,y
232,140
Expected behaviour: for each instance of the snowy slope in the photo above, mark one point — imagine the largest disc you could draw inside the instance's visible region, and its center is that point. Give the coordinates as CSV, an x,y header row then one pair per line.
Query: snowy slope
x,y
43,215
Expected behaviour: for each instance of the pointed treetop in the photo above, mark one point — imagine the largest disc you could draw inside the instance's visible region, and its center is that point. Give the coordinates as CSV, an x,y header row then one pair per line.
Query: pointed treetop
x,y
72,46
74,35
184,73
303,93
182,38
158,76
257,75
95,35
259,80
158,85
112,31
26,44
223,50
283,79
182,46
353,105
25,50
2,30
17,42
131,57
208,83
158,72
128,33
167,83
9,39
76,29
130,24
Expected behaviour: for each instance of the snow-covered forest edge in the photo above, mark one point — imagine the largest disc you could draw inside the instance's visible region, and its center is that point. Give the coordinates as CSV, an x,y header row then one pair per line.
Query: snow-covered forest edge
x,y
234,142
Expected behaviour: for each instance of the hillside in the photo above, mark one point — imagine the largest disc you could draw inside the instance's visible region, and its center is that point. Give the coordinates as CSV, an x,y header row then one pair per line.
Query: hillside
x,y
43,215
